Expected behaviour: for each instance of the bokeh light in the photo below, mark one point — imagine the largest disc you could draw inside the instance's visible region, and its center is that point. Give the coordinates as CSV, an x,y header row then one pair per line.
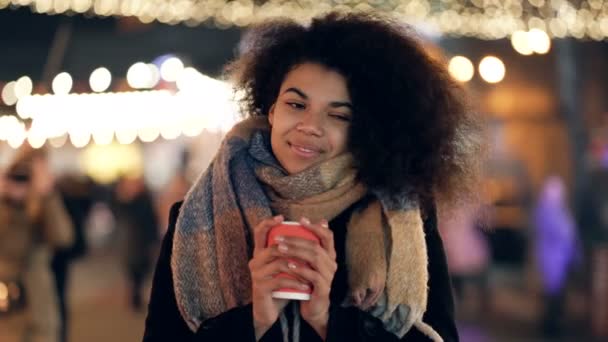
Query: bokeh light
x,y
461,68
520,42
100,79
62,84
539,41
171,68
8,94
23,87
492,69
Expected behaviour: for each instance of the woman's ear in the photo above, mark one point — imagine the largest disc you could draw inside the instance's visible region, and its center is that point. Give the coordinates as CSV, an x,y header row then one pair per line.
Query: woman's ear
x,y
271,114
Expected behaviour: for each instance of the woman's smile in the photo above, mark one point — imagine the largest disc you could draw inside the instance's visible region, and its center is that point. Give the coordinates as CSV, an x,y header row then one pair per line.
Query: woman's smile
x,y
304,150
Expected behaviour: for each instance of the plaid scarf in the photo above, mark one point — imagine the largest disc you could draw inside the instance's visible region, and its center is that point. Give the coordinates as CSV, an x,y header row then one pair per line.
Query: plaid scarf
x,y
385,247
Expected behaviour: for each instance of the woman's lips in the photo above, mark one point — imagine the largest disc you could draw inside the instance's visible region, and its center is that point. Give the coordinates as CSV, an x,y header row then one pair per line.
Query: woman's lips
x,y
304,151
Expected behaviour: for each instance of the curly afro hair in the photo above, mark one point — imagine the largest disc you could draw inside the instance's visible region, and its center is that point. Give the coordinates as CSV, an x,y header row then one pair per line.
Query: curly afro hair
x,y
411,129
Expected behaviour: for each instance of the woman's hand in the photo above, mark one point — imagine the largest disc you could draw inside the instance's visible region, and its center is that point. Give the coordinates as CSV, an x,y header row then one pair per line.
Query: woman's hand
x,y
322,260
264,265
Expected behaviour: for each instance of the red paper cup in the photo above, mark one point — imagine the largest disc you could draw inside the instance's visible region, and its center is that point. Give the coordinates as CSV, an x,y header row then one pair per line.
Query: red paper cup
x,y
289,228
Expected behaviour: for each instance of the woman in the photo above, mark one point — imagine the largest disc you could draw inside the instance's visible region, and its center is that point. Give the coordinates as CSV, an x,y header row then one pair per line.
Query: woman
x,y
33,223
353,130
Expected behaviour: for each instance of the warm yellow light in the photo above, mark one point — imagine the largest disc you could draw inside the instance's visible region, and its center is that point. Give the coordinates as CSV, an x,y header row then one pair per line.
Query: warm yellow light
x,y
23,87
461,68
148,134
492,69
171,69
106,163
3,291
139,76
100,79
520,42
103,136
539,41
36,138
62,84
126,136
26,107
154,73
8,94
59,141
189,79
80,139
8,126
17,135
170,131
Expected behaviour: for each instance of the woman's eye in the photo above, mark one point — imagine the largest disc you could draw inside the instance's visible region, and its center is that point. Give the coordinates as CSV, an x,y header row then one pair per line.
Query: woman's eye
x,y
295,105
341,117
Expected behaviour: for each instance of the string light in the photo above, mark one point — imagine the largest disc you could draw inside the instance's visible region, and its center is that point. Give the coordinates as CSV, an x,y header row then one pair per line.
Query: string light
x,y
201,103
171,68
62,83
539,41
23,87
521,44
529,42
475,18
142,76
8,94
100,79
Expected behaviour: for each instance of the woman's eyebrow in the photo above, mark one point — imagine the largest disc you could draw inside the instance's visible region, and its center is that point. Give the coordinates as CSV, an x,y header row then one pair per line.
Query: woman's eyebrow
x,y
297,91
333,104
341,104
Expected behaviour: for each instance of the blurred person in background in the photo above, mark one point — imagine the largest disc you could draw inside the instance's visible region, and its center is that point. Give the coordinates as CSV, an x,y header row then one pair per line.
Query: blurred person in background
x,y
137,224
77,192
466,249
556,245
33,223
594,230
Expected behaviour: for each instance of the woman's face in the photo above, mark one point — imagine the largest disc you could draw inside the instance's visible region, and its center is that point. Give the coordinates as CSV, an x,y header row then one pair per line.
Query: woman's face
x,y
310,118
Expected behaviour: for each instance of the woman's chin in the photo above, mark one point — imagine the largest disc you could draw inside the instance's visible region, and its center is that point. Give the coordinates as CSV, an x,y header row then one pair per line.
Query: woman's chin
x,y
299,167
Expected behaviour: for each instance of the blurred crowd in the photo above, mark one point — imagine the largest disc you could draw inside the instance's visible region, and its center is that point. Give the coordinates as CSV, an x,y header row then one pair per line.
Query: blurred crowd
x,y
538,242
43,223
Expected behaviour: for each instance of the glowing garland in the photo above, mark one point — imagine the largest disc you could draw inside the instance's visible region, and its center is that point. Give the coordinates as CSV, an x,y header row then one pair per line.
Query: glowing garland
x,y
486,19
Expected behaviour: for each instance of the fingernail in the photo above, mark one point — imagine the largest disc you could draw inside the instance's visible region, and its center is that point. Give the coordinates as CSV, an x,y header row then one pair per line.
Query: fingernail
x,y
282,248
304,287
305,220
279,238
291,265
278,218
324,224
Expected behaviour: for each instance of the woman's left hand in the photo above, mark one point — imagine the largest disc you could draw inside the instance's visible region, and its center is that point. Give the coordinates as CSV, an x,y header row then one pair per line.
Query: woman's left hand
x,y
322,260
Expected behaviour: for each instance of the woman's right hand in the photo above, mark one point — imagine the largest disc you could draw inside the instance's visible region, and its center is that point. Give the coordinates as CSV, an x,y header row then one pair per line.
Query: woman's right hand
x,y
265,264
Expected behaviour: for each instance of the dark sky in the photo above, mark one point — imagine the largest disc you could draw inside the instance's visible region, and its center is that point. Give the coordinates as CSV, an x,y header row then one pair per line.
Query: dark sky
x,y
26,38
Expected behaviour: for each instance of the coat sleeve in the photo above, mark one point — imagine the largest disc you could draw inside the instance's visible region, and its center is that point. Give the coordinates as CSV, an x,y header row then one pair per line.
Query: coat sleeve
x,y
353,324
164,321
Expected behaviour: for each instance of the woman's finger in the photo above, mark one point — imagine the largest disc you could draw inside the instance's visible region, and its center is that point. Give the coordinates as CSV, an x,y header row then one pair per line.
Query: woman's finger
x,y
310,253
277,283
264,256
325,235
320,284
269,270
260,232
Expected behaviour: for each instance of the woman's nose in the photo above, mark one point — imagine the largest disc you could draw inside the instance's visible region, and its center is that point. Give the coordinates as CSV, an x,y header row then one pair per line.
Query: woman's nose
x,y
311,124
